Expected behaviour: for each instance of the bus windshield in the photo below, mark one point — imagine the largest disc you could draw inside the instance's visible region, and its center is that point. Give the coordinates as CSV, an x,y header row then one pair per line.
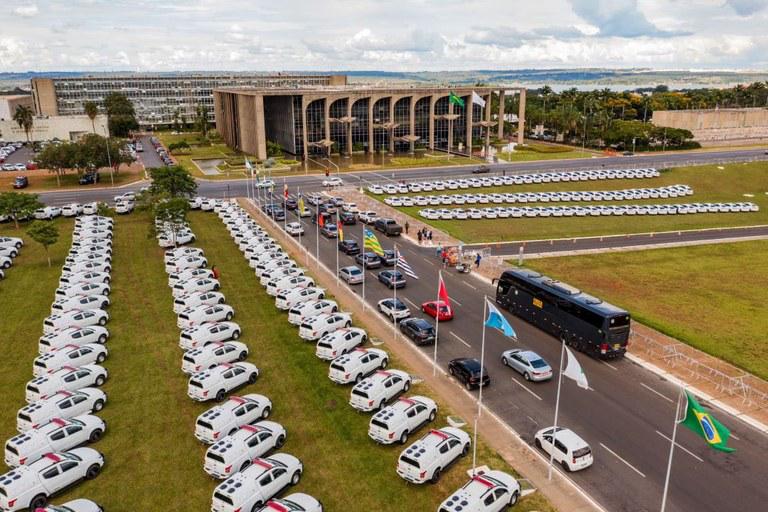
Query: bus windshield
x,y
619,321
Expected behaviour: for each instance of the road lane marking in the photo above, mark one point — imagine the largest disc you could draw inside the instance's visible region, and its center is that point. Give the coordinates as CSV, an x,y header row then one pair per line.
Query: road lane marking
x,y
430,262
457,302
686,450
633,468
609,365
409,301
665,397
459,338
473,287
733,436
533,420
514,381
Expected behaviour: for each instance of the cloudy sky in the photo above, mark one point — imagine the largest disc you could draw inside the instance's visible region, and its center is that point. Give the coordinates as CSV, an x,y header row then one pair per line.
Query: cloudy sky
x,y
395,35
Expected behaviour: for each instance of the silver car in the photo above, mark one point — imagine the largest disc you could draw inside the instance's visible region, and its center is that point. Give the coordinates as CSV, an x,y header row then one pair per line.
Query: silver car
x,y
528,363
351,274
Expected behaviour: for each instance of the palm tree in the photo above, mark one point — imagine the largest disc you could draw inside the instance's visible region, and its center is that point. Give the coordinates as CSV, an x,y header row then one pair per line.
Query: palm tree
x,y
25,118
91,110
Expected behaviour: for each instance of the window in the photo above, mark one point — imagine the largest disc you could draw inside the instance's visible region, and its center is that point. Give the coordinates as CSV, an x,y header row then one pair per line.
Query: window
x,y
444,448
240,410
266,480
489,499
58,435
73,429
67,465
54,471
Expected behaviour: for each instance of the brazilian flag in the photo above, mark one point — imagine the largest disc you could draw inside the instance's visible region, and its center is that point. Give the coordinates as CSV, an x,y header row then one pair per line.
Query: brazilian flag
x,y
456,100
705,425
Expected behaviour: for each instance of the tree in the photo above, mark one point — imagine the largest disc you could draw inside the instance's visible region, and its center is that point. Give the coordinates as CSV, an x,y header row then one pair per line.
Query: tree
x,y
172,181
274,149
92,153
57,158
178,147
91,110
44,233
24,117
171,213
201,119
18,205
120,113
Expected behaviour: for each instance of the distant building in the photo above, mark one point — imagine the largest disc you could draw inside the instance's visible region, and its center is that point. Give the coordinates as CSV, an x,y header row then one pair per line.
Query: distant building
x,y
8,104
724,125
316,120
157,98
66,128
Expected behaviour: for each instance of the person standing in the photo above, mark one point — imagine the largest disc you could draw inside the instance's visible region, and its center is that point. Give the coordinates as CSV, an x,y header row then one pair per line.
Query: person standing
x,y
215,271
429,235
406,227
418,235
477,260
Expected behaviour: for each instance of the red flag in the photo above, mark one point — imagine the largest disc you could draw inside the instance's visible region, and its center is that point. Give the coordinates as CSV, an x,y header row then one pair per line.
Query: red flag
x,y
285,190
320,219
442,292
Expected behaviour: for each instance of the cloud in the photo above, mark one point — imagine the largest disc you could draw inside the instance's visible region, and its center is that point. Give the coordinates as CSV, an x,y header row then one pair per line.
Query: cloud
x,y
747,7
26,11
509,37
618,18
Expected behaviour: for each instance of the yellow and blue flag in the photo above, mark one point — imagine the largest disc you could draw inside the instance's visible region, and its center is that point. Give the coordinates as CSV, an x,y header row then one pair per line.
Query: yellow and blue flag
x,y
371,243
705,425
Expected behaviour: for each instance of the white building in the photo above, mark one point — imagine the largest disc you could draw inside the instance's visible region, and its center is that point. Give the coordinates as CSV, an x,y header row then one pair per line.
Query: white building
x,y
67,128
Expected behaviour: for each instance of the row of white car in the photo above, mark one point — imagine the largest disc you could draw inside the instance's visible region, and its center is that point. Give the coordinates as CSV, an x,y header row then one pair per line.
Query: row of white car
x,y
505,212
47,456
375,387
512,179
632,194
10,247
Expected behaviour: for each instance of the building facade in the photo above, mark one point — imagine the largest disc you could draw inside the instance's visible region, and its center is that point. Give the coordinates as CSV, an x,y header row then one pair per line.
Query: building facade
x,y
319,120
724,125
68,128
9,103
157,99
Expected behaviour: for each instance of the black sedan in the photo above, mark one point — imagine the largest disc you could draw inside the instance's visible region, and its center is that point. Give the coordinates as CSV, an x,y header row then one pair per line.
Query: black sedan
x,y
418,330
368,260
467,371
350,247
483,169
348,219
392,278
290,204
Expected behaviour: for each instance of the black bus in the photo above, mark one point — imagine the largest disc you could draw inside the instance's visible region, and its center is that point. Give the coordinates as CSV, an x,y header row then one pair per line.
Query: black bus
x,y
584,322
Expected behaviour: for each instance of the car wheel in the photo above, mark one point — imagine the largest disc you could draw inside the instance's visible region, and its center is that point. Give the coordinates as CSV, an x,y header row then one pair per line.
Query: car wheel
x,y
236,335
280,441
265,413
7,264
39,501
242,356
101,358
527,376
95,435
358,377
392,317
252,378
384,363
465,450
296,477
404,437
348,325
468,386
220,395
92,472
103,321
504,361
256,506
435,476
106,280
100,381
245,465
406,387
98,405
537,443
104,305
228,317
102,339
334,309
513,499
221,300
566,467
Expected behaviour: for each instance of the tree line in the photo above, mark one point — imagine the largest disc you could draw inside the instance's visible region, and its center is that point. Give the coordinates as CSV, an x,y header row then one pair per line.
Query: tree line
x,y
90,153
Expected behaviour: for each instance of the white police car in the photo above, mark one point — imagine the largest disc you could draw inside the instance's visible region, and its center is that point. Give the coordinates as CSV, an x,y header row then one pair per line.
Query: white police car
x,y
66,378
179,252
83,289
206,333
73,336
218,352
396,422
427,458
289,298
236,451
9,241
63,404
188,273
75,318
215,383
316,327
69,355
252,488
225,419
31,486
284,283
340,342
84,277
352,367
375,391
201,314
296,502
183,263
201,284
193,299
80,302
493,491
55,436
78,505
300,312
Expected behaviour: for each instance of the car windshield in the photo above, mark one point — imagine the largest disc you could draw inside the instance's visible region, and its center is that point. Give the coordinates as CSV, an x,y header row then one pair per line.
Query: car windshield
x,y
355,271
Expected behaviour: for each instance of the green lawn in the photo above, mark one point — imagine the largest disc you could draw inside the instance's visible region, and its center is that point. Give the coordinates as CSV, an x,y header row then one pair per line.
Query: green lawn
x,y
709,183
153,460
47,182
712,297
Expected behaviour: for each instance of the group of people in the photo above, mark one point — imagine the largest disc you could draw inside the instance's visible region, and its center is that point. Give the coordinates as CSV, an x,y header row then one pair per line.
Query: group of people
x,y
424,234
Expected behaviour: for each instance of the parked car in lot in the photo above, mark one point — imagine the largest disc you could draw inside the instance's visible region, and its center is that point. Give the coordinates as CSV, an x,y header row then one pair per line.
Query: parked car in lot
x,y
66,378
9,241
375,391
570,450
288,299
392,279
172,254
368,260
340,342
203,284
75,318
88,276
213,354
426,459
418,330
296,502
195,299
20,182
305,310
356,365
72,356
283,284
189,273
438,309
47,213
394,423
315,327
527,363
72,209
394,309
89,178
201,314
55,436
31,486
351,274
236,451
492,491
468,371
81,302
215,383
225,419
201,335
251,489
63,404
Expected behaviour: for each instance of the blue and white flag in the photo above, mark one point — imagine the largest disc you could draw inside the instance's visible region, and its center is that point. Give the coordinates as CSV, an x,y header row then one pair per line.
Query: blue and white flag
x,y
405,266
497,321
248,165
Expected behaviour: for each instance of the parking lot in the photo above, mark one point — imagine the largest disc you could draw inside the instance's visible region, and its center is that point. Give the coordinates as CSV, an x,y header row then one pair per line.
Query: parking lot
x,y
21,156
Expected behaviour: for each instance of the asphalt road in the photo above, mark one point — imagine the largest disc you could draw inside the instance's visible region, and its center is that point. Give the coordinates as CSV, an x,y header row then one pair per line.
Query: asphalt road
x,y
626,415
149,156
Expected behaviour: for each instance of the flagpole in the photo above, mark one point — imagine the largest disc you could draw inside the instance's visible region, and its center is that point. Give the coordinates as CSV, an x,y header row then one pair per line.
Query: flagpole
x,y
285,205
394,293
671,452
338,222
363,250
317,237
557,410
437,322
480,395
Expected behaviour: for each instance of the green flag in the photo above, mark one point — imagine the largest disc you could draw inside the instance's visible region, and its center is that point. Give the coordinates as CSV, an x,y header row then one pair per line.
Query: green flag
x,y
456,100
706,426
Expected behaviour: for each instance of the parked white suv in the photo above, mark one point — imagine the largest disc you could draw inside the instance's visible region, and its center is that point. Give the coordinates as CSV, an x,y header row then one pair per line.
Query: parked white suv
x,y
83,289
571,451
354,366
252,488
193,299
224,419
316,327
202,284
66,378
236,451
375,391
396,422
427,458
201,314
80,302
201,358
75,318
188,273
172,254
300,312
69,355
210,332
284,283
340,342
214,384
55,436
72,336
493,491
63,404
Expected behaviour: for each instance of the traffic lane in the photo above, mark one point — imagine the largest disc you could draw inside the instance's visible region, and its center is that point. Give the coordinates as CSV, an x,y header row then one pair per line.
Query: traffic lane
x,y
632,455
84,194
149,157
